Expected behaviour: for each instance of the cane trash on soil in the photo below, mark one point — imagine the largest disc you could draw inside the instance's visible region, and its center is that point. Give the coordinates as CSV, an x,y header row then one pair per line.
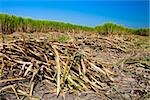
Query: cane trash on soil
x,y
27,63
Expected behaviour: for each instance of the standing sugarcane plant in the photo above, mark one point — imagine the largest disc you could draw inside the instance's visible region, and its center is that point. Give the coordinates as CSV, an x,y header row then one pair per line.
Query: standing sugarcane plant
x,y
2,22
18,24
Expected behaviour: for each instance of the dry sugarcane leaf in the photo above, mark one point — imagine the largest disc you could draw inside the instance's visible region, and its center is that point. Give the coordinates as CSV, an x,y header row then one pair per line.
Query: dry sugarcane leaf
x,y
22,62
27,95
19,49
31,88
80,81
12,87
79,68
92,83
101,84
97,68
83,66
35,71
46,59
23,67
28,69
65,72
108,74
72,82
47,77
7,57
108,71
58,68
12,79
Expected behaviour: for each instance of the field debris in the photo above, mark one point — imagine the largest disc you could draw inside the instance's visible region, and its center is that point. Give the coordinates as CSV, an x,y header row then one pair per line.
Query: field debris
x,y
40,69
27,63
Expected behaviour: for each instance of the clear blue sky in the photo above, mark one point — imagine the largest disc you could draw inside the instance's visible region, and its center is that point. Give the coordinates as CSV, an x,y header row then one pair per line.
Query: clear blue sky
x,y
131,13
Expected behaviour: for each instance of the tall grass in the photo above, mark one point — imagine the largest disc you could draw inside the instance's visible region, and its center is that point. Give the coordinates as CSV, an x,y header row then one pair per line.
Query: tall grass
x,y
110,28
142,32
11,23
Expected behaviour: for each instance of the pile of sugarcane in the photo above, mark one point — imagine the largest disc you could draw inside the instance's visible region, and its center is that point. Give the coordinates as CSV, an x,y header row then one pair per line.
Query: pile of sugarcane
x,y
65,65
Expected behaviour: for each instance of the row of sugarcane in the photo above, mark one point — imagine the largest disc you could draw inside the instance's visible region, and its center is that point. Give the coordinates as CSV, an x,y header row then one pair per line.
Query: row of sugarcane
x,y
11,23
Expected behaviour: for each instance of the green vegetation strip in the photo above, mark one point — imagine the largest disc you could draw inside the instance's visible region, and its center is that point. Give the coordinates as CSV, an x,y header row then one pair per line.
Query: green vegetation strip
x,y
11,23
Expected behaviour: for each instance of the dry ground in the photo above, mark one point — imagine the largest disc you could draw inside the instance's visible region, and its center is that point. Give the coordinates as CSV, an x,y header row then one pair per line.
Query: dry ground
x,y
127,56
